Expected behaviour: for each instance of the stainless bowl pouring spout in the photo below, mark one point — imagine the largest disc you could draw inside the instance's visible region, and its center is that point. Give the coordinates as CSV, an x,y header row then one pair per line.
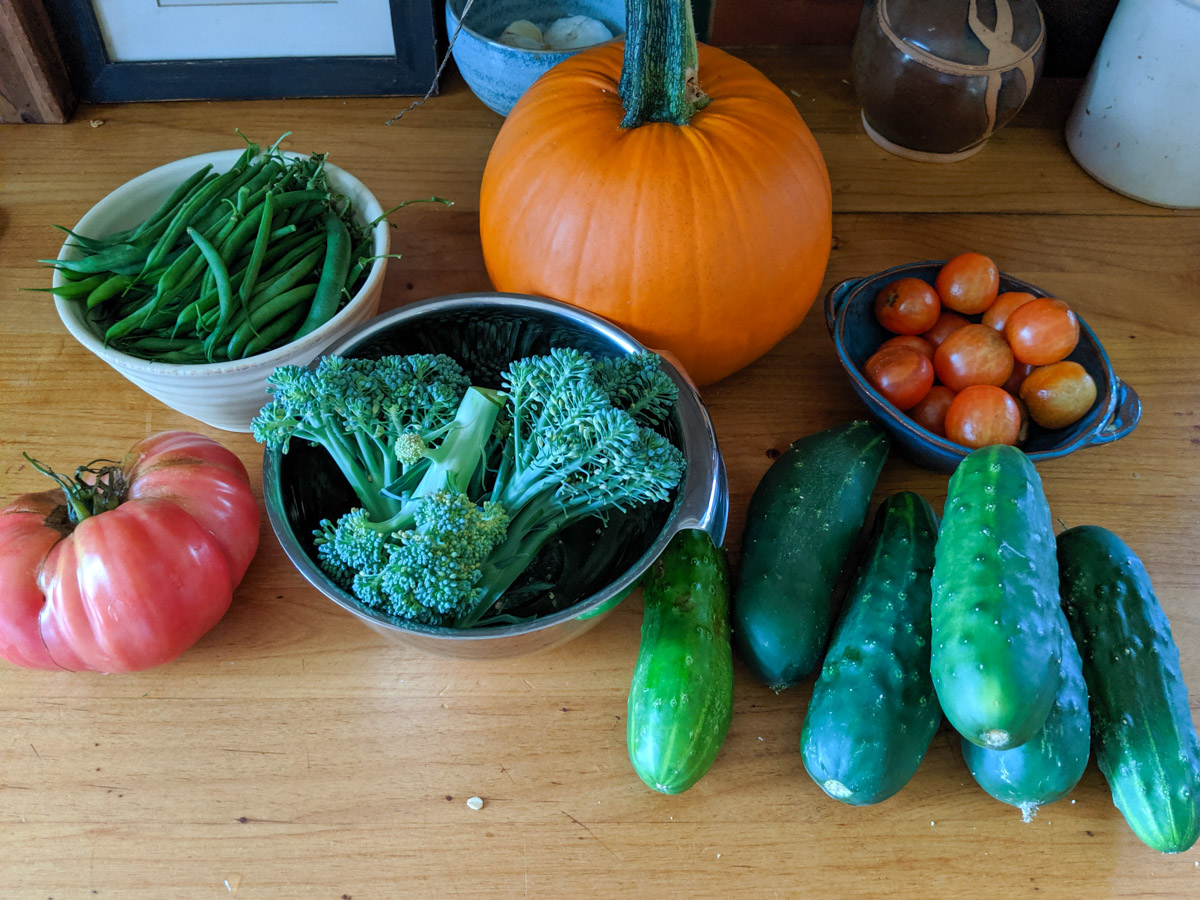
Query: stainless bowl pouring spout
x,y
485,332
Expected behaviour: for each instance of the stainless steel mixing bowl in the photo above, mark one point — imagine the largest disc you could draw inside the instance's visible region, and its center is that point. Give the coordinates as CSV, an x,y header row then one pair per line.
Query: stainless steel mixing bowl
x,y
485,332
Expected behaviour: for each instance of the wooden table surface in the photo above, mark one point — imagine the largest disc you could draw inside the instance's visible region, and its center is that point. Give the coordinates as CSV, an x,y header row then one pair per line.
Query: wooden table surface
x,y
294,753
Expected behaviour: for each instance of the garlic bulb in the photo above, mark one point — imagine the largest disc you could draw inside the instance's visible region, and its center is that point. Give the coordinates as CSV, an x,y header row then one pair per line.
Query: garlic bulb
x,y
573,32
524,35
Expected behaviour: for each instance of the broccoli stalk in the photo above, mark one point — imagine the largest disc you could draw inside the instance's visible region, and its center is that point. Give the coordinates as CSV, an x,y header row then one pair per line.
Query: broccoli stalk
x,y
471,513
367,414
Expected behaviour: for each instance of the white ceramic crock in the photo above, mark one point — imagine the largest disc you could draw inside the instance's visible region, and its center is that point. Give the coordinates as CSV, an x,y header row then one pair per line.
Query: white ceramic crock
x,y
1136,125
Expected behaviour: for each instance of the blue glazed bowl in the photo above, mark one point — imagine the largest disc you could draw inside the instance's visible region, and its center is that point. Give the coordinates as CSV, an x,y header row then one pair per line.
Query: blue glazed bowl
x,y
850,317
498,74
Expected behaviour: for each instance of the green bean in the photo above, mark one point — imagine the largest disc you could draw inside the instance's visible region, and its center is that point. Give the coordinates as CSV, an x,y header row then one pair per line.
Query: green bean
x,y
183,218
287,279
221,274
333,275
256,255
274,331
188,356
77,288
155,344
266,313
104,261
173,200
110,287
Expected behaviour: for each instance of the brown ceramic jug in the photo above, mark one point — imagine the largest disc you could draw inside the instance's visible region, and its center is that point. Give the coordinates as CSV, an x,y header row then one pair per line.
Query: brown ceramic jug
x,y
937,79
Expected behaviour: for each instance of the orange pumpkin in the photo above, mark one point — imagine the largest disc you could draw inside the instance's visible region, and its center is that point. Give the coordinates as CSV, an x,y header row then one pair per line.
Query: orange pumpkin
x,y
708,239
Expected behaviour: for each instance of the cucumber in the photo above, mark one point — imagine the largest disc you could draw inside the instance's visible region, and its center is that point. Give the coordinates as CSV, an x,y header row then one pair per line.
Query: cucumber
x,y
873,710
1145,740
802,523
1049,765
997,630
681,697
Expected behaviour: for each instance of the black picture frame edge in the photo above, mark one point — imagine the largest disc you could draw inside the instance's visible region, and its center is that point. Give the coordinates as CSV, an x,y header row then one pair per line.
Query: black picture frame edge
x,y
97,79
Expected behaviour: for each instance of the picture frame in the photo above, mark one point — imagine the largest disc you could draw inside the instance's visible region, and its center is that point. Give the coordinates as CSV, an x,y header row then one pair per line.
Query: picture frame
x,y
96,78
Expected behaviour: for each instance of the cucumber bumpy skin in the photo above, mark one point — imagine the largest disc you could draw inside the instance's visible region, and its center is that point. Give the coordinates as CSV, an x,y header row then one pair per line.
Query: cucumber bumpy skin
x,y
1142,726
997,629
681,697
1048,766
873,710
803,520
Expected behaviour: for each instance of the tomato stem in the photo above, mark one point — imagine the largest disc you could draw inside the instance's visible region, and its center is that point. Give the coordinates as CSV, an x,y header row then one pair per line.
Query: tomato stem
x,y
660,77
92,490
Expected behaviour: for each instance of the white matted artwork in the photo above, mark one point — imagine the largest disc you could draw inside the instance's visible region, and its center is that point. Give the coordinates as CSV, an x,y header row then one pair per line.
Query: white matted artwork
x,y
160,30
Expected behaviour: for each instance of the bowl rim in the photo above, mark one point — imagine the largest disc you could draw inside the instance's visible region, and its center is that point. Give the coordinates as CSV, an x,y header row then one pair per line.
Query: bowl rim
x,y
456,21
68,308
1107,391
713,496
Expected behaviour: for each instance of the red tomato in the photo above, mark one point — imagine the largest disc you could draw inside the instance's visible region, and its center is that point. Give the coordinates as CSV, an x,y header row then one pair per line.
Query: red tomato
x,y
1042,331
907,306
968,283
1019,373
135,585
901,374
982,415
974,354
1058,394
947,323
997,314
930,413
913,342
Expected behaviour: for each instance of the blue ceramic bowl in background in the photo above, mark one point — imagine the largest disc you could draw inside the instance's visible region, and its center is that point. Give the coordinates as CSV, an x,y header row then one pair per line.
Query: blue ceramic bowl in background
x,y
850,317
498,74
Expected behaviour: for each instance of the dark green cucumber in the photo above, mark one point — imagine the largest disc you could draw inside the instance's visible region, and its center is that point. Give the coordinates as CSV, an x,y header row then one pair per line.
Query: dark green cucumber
x,y
873,710
1145,740
1049,765
997,631
681,698
802,523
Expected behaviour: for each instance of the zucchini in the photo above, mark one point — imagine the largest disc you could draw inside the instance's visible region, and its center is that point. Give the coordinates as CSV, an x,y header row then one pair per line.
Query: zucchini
x,y
873,710
1145,740
681,697
801,525
997,629
1049,765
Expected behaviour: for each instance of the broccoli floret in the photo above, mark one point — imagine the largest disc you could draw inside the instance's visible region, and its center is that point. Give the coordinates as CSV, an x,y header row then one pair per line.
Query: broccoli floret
x,y
364,412
473,510
574,451
427,573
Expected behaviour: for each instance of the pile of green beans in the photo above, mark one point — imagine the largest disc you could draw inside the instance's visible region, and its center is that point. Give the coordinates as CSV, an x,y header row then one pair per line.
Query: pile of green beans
x,y
232,264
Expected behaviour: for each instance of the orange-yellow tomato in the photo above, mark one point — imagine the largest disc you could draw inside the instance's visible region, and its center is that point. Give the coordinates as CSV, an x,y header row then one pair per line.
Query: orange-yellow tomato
x,y
946,324
1058,394
968,283
974,354
997,314
1042,331
982,415
930,413
901,374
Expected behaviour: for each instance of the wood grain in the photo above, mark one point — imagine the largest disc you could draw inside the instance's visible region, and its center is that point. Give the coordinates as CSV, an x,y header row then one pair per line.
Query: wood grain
x,y
34,87
295,753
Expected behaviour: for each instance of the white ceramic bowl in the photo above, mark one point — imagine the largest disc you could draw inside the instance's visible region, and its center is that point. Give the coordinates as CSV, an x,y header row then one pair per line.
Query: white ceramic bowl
x,y
226,395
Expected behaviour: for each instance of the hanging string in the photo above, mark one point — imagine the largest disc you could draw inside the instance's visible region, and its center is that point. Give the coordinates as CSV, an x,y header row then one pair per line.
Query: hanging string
x,y
438,74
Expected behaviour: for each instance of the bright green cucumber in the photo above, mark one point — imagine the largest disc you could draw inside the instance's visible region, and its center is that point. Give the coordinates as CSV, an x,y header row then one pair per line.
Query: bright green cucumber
x,y
802,523
1049,765
681,698
997,630
1145,740
873,710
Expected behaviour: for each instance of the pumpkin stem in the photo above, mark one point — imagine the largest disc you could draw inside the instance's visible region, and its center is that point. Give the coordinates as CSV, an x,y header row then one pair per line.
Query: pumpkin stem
x,y
92,490
660,78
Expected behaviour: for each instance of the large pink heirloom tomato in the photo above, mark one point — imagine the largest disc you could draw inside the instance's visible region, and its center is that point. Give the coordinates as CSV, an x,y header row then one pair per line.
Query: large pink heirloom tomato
x,y
127,565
